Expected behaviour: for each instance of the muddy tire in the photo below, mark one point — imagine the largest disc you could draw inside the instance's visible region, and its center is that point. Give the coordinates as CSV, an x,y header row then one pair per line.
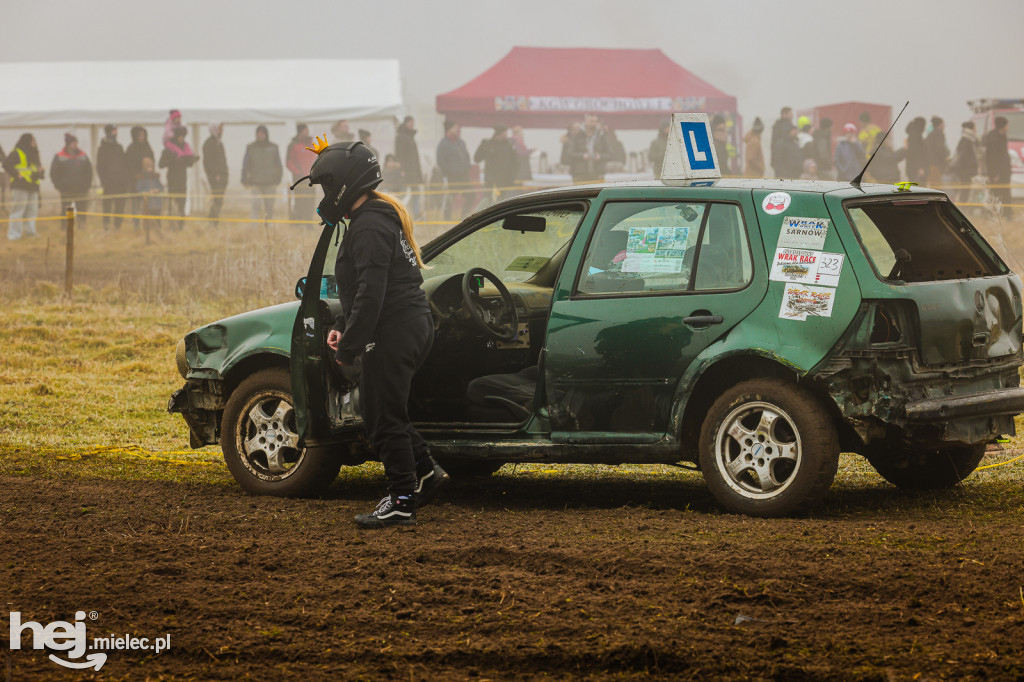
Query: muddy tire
x,y
259,438
925,468
768,448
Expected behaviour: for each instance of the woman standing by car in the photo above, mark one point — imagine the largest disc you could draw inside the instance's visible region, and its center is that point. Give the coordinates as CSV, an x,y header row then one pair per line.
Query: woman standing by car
x,y
386,330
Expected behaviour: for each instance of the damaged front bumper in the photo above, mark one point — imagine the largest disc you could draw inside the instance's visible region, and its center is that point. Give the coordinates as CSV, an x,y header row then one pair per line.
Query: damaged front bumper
x,y
201,403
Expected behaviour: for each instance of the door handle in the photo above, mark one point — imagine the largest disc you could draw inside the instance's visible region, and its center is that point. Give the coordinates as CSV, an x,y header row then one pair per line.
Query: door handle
x,y
701,321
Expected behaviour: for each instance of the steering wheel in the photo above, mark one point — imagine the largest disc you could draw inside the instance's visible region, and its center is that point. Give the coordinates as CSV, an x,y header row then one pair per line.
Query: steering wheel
x,y
497,317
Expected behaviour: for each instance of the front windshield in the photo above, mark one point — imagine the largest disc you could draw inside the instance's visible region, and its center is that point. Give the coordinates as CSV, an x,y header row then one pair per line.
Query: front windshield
x,y
512,256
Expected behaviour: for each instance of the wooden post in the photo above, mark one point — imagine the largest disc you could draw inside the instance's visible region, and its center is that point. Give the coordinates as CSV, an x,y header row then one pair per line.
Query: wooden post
x,y
69,261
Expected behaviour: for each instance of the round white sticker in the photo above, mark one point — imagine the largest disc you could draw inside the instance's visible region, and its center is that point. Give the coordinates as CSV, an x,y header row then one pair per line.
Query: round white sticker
x,y
775,203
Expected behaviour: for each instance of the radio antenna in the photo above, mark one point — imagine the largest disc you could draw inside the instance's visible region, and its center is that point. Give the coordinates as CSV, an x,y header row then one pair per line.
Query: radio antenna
x,y
860,176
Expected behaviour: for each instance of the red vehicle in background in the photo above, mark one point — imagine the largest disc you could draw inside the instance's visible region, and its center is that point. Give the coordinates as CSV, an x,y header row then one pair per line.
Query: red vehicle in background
x,y
848,112
985,112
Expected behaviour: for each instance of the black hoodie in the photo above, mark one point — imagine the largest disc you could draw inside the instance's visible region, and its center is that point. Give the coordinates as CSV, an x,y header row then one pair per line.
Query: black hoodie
x,y
378,278
111,165
138,150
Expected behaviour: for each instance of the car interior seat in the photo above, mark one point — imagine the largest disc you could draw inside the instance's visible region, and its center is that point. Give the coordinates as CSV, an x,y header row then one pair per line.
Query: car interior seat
x,y
502,397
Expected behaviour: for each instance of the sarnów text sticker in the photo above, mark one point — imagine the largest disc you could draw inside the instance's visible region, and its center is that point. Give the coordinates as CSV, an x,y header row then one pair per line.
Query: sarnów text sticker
x,y
775,203
803,233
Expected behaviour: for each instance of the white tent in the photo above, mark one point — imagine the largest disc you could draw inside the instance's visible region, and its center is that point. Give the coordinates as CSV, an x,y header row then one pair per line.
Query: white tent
x,y
38,94
63,96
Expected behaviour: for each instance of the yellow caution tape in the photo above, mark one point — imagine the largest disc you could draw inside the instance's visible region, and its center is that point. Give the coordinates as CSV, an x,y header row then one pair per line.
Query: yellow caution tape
x,y
185,218
197,218
36,220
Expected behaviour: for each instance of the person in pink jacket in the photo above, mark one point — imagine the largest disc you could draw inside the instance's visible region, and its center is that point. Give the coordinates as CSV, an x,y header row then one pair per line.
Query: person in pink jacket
x,y
173,121
299,160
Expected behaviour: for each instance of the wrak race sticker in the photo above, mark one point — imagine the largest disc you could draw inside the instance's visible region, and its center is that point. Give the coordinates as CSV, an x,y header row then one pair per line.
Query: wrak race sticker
x,y
800,301
794,265
807,267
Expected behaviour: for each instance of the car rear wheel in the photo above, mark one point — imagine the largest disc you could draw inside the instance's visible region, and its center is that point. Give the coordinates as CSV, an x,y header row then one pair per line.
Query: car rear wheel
x,y
260,441
925,468
768,448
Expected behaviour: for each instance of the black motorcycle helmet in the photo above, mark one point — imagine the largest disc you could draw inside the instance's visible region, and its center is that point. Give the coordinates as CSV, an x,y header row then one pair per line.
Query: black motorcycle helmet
x,y
346,171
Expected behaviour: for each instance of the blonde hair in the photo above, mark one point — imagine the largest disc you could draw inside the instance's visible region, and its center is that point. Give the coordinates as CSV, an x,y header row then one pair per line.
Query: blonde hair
x,y
405,217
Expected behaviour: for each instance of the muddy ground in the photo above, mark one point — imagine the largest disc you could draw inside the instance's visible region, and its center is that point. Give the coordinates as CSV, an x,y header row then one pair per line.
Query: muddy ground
x,y
514,578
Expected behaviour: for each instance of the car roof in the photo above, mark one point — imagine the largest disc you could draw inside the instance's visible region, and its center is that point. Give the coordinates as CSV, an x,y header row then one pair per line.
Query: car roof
x,y
844,190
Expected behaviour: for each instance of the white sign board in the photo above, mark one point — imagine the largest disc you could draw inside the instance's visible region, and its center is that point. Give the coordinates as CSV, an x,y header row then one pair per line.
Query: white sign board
x,y
690,154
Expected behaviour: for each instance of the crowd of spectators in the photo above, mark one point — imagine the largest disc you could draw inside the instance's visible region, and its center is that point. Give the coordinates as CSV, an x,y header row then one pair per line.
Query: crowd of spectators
x,y
801,150
130,180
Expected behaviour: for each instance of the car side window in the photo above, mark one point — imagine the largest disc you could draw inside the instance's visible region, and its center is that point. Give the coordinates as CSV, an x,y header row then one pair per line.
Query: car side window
x,y
724,258
642,246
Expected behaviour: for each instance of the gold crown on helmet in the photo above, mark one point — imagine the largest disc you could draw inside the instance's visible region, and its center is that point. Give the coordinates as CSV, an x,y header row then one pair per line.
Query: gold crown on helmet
x,y
319,145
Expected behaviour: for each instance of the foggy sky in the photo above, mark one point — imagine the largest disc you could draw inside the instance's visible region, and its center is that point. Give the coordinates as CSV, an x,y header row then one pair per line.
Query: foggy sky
x,y
937,54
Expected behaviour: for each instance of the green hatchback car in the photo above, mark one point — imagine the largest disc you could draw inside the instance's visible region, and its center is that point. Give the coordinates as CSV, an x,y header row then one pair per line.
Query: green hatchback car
x,y
754,329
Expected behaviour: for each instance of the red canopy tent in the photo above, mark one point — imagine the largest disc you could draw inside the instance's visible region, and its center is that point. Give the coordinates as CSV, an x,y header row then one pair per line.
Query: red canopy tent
x,y
550,87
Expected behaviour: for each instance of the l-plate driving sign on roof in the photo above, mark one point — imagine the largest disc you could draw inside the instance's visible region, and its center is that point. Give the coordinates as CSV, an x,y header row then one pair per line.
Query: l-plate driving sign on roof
x,y
690,153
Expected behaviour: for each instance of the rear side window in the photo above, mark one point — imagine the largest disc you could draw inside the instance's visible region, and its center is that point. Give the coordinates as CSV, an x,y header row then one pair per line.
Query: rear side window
x,y
922,240
724,257
652,247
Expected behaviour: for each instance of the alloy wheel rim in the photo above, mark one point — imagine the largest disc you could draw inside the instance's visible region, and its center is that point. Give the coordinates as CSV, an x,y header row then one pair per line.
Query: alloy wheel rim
x,y
758,450
268,439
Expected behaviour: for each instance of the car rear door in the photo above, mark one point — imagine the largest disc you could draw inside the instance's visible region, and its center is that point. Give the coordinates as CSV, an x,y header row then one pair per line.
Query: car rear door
x,y
649,283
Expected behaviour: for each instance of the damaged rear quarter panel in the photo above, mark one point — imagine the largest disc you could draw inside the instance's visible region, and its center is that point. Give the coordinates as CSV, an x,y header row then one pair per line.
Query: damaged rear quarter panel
x,y
958,337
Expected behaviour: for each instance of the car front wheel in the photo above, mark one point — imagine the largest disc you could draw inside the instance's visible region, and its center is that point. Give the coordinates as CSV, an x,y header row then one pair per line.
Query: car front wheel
x,y
768,448
260,441
925,468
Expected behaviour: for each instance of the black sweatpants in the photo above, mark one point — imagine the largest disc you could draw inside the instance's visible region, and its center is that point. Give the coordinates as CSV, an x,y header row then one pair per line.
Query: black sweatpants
x,y
398,350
